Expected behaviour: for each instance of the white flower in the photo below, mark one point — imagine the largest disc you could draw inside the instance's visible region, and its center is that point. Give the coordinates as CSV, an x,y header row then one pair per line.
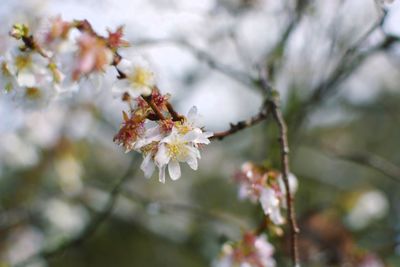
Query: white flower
x,y
30,69
173,149
271,205
267,187
178,147
167,148
139,78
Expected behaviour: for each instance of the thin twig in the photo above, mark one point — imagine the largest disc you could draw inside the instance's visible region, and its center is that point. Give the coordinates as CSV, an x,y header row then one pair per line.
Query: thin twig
x,y
154,107
175,115
294,229
348,63
241,125
208,215
369,160
274,106
237,75
90,229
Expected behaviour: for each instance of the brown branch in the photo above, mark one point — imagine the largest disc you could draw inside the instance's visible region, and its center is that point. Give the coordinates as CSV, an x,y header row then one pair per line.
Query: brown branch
x,y
175,115
241,125
294,229
154,107
237,75
274,106
85,26
349,62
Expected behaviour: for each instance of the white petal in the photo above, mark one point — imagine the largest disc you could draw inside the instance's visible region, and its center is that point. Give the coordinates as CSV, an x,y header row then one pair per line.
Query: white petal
x,y
125,66
192,114
197,136
293,183
137,91
194,152
270,205
208,134
139,143
192,162
192,135
161,174
26,79
147,166
151,135
120,86
162,157
173,136
203,139
276,216
174,170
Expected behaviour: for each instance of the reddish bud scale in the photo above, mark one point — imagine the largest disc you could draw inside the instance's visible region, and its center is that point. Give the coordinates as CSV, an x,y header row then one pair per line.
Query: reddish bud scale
x,y
58,29
131,130
115,40
159,100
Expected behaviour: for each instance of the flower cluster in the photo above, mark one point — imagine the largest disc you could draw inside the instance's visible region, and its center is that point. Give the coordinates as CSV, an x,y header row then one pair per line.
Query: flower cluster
x,y
265,186
56,58
251,251
164,138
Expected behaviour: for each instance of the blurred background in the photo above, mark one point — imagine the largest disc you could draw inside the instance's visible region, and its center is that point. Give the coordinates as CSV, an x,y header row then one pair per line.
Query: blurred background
x,y
336,65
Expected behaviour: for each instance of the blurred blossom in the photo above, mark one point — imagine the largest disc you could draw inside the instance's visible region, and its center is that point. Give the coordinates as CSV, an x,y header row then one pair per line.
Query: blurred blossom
x,y
139,78
265,186
237,33
79,124
65,219
371,260
24,242
43,128
17,152
69,171
251,251
370,206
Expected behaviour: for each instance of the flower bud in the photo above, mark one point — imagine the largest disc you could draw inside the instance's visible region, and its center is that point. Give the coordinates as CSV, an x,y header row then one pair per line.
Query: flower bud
x,y
19,31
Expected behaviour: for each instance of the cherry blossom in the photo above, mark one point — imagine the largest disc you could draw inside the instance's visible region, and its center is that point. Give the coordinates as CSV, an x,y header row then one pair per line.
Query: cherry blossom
x,y
251,251
138,78
266,187
93,55
163,143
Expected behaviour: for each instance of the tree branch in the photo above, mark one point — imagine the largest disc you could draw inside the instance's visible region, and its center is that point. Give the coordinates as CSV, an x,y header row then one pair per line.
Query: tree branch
x,y
348,63
241,125
369,160
208,215
91,227
175,115
274,106
239,76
